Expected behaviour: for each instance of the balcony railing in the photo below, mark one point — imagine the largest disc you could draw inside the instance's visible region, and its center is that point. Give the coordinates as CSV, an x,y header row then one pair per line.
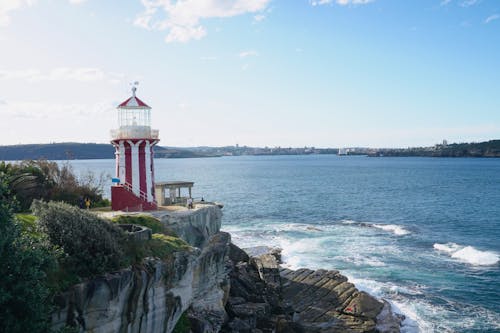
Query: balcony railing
x,y
134,132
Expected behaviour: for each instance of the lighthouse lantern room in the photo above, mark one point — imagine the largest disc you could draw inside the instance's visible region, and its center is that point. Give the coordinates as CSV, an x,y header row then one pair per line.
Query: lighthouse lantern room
x,y
134,140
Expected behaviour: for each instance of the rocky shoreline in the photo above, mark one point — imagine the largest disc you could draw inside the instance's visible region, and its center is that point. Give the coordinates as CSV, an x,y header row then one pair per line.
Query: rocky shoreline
x,y
265,297
219,287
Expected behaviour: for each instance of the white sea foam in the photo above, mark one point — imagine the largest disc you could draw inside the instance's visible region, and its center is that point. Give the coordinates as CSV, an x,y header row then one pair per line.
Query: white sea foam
x,y
395,229
468,254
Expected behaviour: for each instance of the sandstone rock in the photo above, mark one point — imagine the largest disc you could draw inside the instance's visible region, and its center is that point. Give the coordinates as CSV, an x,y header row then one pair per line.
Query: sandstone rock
x,y
237,255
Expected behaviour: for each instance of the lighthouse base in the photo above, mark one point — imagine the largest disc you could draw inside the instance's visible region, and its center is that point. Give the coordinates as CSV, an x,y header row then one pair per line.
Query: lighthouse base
x,y
122,199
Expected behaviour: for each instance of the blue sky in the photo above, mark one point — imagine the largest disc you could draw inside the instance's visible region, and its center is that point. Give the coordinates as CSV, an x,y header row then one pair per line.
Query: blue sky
x,y
380,73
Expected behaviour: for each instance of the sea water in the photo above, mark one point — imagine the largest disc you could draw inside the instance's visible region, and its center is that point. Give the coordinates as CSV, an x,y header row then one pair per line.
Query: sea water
x,y
423,233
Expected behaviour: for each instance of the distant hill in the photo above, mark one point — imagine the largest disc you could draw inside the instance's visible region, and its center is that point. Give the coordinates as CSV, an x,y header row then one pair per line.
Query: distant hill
x,y
481,149
82,151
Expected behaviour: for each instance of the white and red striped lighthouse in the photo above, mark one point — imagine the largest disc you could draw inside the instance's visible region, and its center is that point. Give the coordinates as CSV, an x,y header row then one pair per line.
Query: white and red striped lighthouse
x,y
134,141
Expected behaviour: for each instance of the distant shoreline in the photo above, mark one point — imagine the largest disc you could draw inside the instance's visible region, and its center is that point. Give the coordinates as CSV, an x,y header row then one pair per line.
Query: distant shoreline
x,y
90,151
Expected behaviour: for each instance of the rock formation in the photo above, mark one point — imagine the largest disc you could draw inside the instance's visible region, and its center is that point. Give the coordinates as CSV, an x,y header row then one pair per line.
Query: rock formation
x,y
267,298
151,298
220,288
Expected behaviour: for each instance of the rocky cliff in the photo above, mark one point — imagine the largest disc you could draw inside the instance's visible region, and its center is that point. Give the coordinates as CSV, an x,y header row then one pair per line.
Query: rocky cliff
x,y
151,298
221,289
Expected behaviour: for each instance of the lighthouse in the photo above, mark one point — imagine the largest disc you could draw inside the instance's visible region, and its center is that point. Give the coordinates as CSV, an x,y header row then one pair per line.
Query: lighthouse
x,y
134,141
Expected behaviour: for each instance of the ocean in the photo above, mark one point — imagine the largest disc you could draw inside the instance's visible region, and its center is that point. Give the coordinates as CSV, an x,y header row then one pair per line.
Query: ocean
x,y
423,233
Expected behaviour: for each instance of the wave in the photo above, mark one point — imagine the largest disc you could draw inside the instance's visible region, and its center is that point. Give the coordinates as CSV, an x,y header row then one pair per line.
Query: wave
x,y
394,228
468,254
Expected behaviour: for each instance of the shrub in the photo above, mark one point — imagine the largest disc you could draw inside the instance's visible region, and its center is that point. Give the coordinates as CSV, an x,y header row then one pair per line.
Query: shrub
x,y
183,325
161,246
145,220
91,245
47,180
24,296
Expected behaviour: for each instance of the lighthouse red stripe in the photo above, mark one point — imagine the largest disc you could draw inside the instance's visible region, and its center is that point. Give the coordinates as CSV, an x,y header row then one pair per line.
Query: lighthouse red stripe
x,y
128,163
142,167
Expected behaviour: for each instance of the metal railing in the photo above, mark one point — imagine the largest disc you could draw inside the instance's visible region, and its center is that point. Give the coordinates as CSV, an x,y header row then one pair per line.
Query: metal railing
x,y
134,132
143,195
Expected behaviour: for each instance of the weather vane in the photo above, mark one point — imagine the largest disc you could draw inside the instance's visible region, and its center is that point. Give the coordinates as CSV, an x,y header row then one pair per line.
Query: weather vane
x,y
134,87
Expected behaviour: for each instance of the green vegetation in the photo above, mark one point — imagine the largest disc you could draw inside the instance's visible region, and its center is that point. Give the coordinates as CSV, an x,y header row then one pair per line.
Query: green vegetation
x,y
183,325
162,246
56,247
481,149
30,180
145,220
84,151
24,261
91,245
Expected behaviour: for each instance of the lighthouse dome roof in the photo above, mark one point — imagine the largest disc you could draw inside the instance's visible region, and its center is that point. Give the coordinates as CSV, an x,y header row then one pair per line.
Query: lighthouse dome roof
x,y
133,103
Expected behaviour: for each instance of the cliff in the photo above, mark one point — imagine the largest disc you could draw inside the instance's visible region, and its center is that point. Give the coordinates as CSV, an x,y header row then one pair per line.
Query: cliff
x,y
152,298
220,288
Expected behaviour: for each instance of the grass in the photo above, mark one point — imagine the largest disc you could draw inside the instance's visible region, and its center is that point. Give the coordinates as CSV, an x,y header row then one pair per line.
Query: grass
x,y
144,220
162,246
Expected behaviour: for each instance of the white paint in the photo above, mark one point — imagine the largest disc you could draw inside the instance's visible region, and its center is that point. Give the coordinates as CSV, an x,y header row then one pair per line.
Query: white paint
x,y
149,179
136,187
121,171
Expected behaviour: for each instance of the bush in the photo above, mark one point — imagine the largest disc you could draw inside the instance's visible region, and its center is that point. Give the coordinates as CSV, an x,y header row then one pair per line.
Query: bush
x,y
144,220
161,246
30,180
24,295
183,325
91,245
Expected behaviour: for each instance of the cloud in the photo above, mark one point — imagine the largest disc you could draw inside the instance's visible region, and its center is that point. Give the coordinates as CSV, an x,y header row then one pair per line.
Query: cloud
x,y
339,2
44,110
7,6
259,17
468,3
445,2
491,18
250,53
82,74
181,18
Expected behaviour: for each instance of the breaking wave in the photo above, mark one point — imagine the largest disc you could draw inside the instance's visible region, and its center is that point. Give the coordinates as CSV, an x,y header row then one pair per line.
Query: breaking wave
x,y
393,228
468,254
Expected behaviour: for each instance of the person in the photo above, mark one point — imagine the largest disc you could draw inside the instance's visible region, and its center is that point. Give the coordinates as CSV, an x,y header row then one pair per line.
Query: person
x,y
202,200
190,203
87,203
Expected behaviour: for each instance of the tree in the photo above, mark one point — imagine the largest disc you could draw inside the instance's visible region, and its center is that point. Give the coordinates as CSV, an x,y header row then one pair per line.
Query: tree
x,y
24,296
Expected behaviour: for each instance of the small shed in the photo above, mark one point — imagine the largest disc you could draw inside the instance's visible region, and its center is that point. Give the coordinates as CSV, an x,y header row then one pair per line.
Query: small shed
x,y
171,193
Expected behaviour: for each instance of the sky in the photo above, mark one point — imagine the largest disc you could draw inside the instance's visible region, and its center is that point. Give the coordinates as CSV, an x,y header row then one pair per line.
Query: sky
x,y
322,73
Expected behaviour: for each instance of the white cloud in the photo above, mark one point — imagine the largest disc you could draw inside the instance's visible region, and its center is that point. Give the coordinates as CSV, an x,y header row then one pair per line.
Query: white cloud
x,y
259,17
7,6
339,2
491,18
445,2
82,74
468,3
44,110
250,53
182,17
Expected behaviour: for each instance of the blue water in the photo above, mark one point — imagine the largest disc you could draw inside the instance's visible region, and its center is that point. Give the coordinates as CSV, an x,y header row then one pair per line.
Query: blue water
x,y
423,233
